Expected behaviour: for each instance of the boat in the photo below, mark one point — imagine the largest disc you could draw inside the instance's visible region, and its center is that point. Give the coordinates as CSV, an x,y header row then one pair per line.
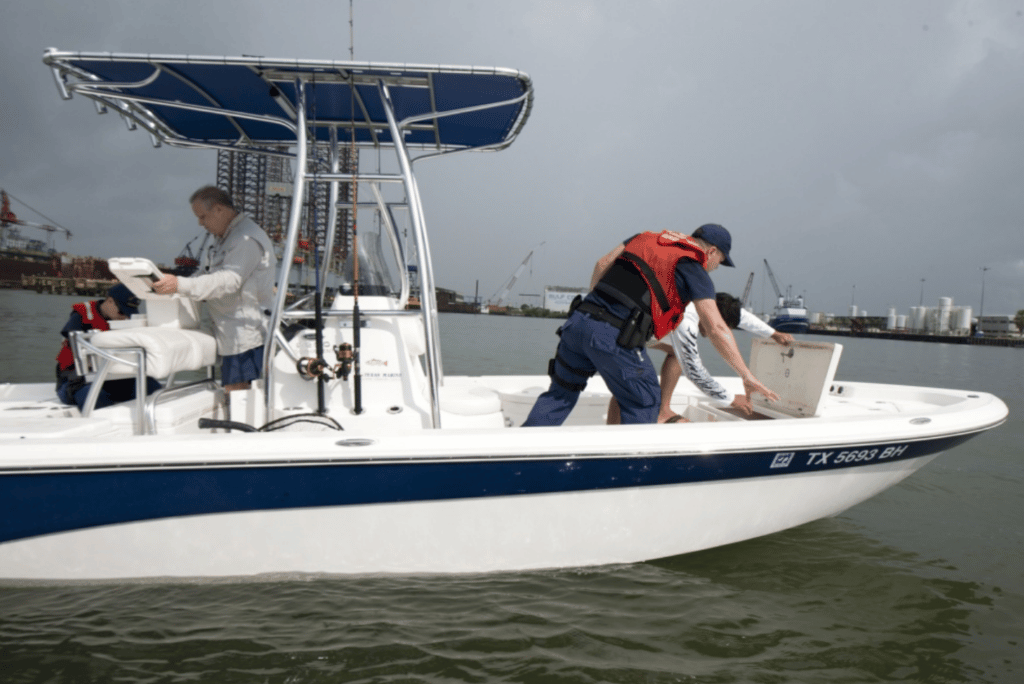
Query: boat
x,y
790,314
31,263
22,256
366,457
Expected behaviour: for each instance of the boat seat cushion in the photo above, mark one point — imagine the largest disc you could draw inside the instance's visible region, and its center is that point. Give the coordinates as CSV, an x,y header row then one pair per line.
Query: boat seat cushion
x,y
168,350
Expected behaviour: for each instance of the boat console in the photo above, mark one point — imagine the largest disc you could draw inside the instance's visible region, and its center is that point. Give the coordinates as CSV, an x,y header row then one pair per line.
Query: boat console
x,y
157,310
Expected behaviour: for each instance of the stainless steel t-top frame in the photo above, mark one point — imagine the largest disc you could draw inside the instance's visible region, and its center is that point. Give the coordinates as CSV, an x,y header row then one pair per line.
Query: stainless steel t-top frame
x,y
282,107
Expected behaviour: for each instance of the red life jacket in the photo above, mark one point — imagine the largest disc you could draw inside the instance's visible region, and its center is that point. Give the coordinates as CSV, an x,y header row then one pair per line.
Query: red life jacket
x,y
655,256
91,320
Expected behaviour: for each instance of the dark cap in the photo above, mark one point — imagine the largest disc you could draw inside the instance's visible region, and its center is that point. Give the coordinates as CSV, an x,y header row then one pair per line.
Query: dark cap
x,y
716,235
127,302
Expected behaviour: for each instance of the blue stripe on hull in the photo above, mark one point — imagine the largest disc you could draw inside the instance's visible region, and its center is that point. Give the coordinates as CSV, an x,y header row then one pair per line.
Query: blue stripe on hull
x,y
33,504
790,325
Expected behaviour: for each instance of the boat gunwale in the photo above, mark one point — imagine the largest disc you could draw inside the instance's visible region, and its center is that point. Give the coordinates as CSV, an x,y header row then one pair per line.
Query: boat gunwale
x,y
658,452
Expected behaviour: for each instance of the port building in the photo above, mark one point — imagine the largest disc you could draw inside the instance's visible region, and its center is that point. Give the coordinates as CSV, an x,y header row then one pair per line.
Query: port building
x,y
558,298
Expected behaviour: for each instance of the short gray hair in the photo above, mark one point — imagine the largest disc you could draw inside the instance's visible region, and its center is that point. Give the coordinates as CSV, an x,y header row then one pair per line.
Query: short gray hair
x,y
210,195
703,244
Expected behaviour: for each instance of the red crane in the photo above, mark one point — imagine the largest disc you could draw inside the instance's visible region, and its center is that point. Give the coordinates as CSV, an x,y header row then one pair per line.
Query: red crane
x,y
9,223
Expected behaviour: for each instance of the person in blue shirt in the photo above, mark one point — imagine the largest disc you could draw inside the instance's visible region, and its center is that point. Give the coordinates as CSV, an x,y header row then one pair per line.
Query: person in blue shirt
x,y
639,289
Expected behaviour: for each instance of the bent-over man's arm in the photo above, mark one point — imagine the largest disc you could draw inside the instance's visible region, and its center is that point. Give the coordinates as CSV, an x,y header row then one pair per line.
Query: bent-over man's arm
x,y
721,336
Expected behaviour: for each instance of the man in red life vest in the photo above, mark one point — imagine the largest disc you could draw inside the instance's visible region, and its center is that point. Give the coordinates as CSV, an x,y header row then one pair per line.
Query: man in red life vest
x,y
639,289
72,388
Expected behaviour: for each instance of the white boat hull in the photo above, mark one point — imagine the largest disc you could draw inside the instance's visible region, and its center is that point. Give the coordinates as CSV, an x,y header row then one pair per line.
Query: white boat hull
x,y
456,500
504,533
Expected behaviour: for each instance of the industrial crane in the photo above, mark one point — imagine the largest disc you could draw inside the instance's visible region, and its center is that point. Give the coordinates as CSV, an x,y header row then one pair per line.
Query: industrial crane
x,y
746,290
771,277
11,238
499,297
784,301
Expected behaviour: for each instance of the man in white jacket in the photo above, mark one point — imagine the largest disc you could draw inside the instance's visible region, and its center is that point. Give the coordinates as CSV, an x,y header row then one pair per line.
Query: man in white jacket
x,y
236,282
683,355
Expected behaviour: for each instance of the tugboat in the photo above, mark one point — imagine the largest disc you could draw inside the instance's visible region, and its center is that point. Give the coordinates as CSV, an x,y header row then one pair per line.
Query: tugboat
x,y
790,312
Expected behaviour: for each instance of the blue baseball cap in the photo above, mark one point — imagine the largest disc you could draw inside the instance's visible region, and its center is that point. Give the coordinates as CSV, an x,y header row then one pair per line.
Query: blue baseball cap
x,y
127,302
716,235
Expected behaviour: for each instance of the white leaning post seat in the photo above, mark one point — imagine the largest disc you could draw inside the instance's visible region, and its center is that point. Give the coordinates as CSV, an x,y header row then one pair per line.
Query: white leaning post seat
x,y
139,353
168,350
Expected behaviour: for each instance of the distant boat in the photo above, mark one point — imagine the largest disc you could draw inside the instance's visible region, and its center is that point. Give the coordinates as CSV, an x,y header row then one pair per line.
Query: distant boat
x,y
790,320
790,313
790,316
23,258
20,255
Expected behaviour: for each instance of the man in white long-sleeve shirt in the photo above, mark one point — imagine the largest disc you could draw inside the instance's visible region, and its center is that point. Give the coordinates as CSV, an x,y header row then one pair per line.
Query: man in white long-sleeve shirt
x,y
236,282
684,347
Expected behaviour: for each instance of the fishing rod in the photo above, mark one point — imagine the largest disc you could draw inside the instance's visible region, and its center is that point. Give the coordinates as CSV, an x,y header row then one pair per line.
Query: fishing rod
x,y
357,375
318,310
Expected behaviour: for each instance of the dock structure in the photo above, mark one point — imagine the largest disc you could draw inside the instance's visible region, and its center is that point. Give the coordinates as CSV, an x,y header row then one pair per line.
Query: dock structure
x,y
54,272
984,340
88,287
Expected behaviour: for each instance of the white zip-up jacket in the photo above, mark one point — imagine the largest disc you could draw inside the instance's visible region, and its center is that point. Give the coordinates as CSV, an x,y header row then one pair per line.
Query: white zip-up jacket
x,y
237,284
684,342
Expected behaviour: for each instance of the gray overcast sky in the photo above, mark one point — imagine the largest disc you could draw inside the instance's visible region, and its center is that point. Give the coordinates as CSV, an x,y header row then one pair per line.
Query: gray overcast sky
x,y
858,146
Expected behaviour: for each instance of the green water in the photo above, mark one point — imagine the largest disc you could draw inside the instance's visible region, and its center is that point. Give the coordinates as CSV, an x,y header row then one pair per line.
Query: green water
x,y
923,583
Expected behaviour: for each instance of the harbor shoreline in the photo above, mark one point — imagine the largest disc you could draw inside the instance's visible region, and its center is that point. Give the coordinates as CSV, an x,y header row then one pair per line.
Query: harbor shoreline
x,y
988,340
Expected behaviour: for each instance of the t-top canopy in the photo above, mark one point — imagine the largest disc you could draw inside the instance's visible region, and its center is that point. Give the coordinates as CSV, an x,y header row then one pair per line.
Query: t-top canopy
x,y
250,103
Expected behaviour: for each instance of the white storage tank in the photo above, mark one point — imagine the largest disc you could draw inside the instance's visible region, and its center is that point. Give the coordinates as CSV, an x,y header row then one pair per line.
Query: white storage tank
x,y
945,313
853,311
890,319
964,318
901,322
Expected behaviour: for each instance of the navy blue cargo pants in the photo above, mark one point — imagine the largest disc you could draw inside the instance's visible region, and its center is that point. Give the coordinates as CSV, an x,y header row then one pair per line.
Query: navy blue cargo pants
x,y
589,345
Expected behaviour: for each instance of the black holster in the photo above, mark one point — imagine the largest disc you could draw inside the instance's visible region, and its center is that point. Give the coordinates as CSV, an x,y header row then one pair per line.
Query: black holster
x,y
636,329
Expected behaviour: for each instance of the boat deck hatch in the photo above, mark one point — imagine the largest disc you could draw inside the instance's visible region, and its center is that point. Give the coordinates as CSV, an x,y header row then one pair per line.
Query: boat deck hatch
x,y
800,374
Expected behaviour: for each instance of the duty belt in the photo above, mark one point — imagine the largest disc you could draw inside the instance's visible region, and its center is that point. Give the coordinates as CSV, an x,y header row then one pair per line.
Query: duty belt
x,y
634,331
601,314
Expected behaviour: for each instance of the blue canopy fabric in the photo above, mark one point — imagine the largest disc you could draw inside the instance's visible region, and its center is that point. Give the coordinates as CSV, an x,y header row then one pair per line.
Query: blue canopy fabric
x,y
243,101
